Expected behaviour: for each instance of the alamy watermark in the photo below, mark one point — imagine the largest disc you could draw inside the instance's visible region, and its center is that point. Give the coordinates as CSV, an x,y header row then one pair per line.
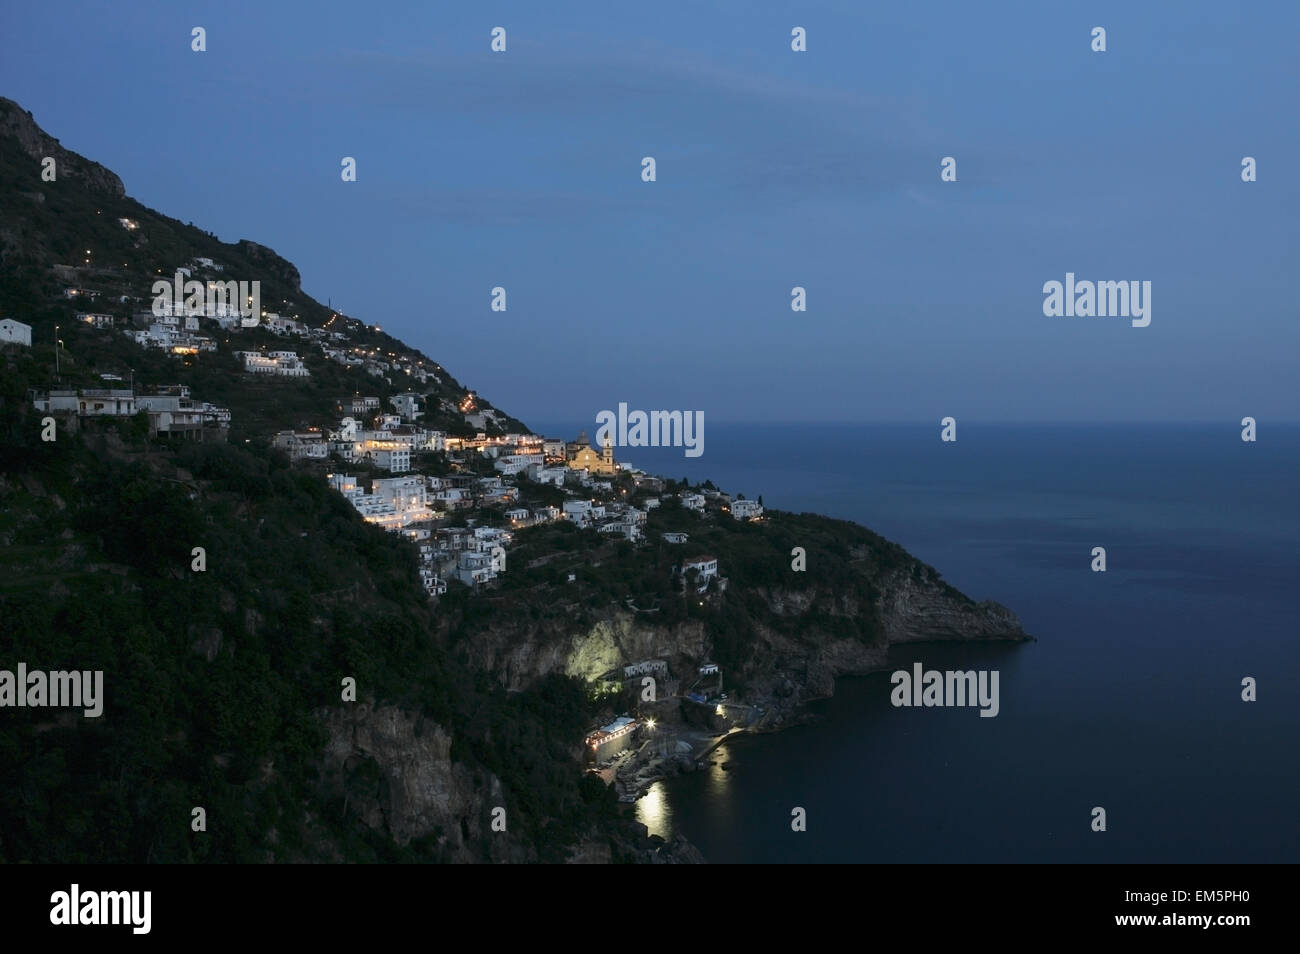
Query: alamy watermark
x,y
652,429
58,689
210,299
1124,299
78,907
949,688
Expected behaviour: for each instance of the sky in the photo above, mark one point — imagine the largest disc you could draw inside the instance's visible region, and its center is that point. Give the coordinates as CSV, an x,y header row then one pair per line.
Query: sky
x,y
775,169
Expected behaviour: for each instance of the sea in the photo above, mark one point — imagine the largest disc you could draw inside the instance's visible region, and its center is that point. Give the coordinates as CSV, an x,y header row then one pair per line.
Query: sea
x,y
1131,698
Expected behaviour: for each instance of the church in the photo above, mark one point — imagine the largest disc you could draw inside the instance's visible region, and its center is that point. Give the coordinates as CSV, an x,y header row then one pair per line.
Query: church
x,y
580,456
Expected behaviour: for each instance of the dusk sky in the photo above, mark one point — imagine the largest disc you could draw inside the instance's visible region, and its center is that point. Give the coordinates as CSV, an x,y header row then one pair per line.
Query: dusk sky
x,y
774,169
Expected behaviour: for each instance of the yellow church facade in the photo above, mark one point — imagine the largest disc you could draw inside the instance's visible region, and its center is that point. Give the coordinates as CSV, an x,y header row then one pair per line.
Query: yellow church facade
x,y
581,456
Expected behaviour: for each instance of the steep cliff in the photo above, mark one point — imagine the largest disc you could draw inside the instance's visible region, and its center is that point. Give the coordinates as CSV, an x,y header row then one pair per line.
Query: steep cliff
x,y
783,637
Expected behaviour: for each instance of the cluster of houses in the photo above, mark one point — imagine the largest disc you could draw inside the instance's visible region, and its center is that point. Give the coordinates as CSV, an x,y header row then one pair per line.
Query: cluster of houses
x,y
174,325
472,554
415,504
170,409
287,364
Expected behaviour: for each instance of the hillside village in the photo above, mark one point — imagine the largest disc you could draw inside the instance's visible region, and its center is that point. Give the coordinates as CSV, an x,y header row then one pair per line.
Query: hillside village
x,y
460,498
462,492
231,495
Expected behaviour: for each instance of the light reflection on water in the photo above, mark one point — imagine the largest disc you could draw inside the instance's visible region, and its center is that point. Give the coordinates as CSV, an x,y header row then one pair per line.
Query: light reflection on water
x,y
654,811
655,808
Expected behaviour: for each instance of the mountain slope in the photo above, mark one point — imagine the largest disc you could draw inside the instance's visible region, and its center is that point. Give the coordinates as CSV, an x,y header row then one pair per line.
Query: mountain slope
x,y
225,686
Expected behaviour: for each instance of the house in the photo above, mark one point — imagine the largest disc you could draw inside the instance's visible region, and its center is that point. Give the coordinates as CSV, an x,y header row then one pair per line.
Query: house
x,y
404,493
431,440
344,483
629,531
674,536
171,411
499,495
395,461
578,511
551,475
307,445
514,463
99,321
452,498
517,515
473,568
693,502
359,405
284,363
280,325
546,514
407,405
89,402
609,740
647,667
746,509
706,568
15,332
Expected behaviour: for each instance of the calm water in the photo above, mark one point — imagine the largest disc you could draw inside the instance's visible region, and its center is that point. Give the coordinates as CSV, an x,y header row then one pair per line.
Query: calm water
x,y
1130,700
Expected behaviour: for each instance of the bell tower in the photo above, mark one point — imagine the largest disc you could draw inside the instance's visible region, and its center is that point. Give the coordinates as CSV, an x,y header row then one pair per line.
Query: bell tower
x,y
607,456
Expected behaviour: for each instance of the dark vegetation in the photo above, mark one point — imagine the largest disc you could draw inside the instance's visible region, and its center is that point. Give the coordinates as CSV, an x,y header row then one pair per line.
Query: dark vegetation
x,y
211,678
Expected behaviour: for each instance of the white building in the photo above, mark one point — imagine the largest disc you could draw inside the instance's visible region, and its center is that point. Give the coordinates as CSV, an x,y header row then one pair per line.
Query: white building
x,y
629,531
514,463
551,475
404,493
283,363
170,410
15,332
396,461
344,483
674,536
578,511
304,445
90,402
407,405
706,566
473,567
746,509
693,502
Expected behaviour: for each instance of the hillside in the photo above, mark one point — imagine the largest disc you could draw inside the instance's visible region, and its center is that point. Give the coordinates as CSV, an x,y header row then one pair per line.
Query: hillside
x,y
224,684
67,233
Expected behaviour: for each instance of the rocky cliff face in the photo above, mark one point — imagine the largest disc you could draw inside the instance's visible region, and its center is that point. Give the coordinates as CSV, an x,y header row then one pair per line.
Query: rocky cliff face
x,y
782,669
17,123
919,609
265,260
395,771
520,657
